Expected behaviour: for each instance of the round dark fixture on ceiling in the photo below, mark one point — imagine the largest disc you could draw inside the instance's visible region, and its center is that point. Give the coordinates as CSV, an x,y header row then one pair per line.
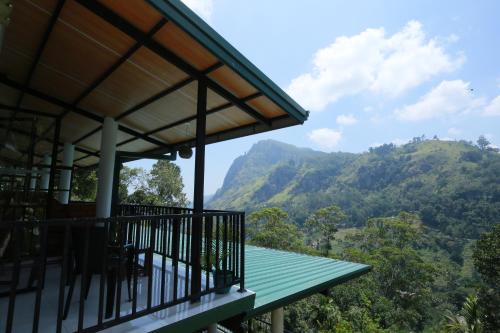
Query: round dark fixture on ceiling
x,y
185,151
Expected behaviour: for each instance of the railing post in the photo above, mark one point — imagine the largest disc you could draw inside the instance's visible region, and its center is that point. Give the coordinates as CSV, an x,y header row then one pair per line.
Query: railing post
x,y
16,240
242,253
175,253
53,165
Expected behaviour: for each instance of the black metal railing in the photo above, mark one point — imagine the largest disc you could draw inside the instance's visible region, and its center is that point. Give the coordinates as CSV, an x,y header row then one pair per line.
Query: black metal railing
x,y
148,210
123,267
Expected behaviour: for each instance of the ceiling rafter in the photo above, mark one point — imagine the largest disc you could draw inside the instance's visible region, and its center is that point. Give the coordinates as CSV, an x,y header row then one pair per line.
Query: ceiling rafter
x,y
25,133
149,101
78,110
185,120
114,67
28,111
255,127
123,25
38,55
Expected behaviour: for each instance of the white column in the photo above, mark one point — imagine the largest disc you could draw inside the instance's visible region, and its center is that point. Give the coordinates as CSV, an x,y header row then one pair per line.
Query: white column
x,y
44,182
277,321
106,167
65,178
212,328
34,175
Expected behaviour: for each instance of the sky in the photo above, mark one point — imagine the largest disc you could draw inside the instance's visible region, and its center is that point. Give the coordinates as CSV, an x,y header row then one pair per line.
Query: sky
x,y
369,72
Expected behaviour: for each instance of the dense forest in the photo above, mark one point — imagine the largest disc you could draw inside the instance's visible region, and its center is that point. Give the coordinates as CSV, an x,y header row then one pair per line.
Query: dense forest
x,y
453,186
414,286
414,212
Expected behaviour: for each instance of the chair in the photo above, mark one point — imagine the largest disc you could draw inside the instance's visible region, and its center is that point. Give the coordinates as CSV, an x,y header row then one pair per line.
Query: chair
x,y
95,262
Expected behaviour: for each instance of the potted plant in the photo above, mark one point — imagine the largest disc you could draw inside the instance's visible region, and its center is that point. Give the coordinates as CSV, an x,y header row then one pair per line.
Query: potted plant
x,y
214,262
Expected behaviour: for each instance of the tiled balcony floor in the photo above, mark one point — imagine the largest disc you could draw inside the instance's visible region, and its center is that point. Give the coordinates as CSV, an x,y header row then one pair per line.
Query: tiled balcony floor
x,y
24,307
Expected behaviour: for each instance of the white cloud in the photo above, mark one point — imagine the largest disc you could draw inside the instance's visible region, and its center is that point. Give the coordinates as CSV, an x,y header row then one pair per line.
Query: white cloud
x,y
447,99
493,109
454,131
372,61
453,38
204,8
325,138
346,119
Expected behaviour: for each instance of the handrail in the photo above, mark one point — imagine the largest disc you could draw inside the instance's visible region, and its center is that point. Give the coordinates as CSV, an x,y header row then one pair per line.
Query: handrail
x,y
138,244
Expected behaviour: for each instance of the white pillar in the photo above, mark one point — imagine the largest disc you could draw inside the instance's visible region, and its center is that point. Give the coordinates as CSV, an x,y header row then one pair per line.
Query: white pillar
x,y
65,178
277,321
106,167
212,328
44,182
34,175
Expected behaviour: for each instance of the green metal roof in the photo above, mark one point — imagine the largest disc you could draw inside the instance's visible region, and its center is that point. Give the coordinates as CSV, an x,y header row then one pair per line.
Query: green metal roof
x,y
191,23
279,278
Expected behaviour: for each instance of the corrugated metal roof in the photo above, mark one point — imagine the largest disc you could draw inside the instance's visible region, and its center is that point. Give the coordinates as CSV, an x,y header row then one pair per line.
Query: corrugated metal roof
x,y
279,278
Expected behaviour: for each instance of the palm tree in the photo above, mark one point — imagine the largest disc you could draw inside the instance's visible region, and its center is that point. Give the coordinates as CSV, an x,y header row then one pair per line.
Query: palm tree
x,y
468,320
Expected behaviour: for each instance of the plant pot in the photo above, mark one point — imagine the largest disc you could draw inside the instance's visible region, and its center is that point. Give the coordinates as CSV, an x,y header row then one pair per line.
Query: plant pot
x,y
220,287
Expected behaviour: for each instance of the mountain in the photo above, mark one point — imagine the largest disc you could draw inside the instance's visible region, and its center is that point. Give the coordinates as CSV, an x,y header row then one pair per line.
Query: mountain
x,y
454,186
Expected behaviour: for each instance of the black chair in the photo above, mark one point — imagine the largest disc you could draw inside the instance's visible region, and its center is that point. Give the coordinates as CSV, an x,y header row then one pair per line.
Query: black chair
x,y
95,258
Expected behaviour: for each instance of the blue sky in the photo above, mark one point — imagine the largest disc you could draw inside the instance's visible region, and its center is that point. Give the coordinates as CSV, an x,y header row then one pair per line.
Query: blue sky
x,y
370,72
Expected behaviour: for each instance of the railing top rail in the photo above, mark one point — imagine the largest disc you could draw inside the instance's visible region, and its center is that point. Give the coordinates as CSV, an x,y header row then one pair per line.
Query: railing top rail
x,y
150,205
83,221
180,208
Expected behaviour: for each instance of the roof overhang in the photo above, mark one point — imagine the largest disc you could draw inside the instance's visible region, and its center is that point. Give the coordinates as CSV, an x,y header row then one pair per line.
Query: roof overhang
x,y
136,61
280,278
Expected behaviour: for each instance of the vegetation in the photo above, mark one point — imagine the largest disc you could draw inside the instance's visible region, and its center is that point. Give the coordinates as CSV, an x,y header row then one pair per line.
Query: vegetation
x,y
425,215
162,185
487,261
84,187
453,186
323,225
411,288
468,320
268,228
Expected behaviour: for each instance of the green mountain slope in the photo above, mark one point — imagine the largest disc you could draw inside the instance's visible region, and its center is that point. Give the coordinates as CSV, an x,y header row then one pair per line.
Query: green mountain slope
x,y
454,186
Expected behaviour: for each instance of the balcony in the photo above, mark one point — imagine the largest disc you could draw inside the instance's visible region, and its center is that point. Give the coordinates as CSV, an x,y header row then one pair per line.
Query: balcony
x,y
90,274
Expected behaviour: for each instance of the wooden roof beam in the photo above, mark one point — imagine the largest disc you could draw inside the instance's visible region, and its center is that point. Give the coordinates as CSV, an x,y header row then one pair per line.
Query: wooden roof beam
x,y
123,25
78,110
28,111
179,122
39,52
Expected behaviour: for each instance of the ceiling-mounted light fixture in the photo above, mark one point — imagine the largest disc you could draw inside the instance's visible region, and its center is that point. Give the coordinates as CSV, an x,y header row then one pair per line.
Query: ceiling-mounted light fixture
x,y
5,11
185,151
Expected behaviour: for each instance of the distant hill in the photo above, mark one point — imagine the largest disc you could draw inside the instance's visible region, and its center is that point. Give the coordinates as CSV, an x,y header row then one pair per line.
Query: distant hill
x,y
454,186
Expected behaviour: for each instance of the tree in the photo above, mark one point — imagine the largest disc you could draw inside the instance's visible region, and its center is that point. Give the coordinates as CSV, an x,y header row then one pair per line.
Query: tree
x,y
323,224
487,262
161,186
482,142
130,178
269,228
468,320
166,183
398,291
84,187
